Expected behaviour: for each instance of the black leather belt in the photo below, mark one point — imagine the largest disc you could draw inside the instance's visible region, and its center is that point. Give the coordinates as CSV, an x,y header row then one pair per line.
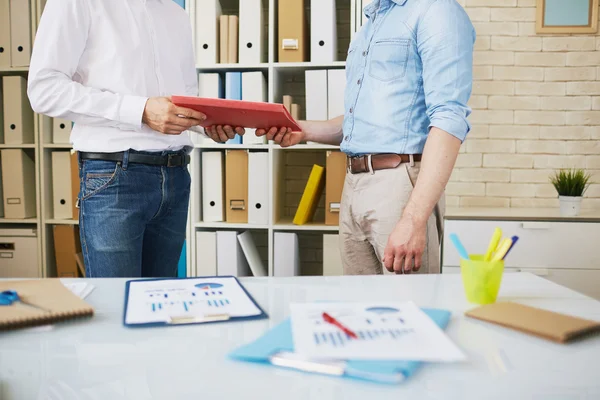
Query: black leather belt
x,y
168,160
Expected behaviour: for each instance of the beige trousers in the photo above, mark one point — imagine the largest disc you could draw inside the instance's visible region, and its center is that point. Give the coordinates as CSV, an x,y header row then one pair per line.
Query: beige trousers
x,y
372,204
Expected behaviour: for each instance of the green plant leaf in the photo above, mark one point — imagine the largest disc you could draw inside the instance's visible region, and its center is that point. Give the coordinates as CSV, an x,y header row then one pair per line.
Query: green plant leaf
x,y
572,182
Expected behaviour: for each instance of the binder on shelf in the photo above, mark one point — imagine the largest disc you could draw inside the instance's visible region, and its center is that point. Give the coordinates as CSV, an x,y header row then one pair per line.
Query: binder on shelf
x,y
206,253
258,188
62,195
212,186
5,46
292,33
233,91
336,86
20,32
181,3
75,184
286,259
18,184
230,257
323,31
251,32
19,253
257,267
210,85
236,186
335,175
254,88
224,39
332,258
18,115
296,111
287,103
232,40
207,32
67,245
310,197
61,131
316,95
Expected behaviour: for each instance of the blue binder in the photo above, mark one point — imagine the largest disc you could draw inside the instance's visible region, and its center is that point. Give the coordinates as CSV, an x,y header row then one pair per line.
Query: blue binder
x,y
233,91
181,3
182,265
271,349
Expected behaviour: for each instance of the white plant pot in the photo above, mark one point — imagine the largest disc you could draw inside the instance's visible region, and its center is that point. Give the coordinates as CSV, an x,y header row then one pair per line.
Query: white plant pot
x,y
569,206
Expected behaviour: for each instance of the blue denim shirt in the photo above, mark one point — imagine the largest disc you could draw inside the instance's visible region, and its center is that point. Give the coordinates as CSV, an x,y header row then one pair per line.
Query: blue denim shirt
x,y
408,69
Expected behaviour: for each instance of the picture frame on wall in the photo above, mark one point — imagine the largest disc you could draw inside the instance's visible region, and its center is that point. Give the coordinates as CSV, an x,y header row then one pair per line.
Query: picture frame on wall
x,y
567,16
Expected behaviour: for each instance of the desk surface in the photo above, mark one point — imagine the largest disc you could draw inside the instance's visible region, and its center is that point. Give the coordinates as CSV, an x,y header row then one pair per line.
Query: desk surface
x,y
101,359
519,214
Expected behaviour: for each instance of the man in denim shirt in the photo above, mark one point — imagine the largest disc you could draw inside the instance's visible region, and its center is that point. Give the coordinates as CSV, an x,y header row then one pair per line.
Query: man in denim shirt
x,y
409,78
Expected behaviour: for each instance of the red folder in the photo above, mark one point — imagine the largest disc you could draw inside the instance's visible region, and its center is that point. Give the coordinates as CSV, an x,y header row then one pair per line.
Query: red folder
x,y
246,114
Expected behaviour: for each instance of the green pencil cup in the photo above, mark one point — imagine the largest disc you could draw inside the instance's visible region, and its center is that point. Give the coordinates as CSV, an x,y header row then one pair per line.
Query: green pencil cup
x,y
481,279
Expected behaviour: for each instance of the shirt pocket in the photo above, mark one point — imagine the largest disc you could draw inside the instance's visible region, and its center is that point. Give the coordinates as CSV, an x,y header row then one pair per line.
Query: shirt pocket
x,y
388,59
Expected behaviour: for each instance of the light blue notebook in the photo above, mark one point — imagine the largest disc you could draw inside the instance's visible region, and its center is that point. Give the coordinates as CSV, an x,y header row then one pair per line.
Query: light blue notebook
x,y
276,348
233,91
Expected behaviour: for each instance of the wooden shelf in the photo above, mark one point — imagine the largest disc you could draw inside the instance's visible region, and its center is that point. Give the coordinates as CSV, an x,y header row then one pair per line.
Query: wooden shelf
x,y
303,66
58,146
286,224
5,70
62,222
232,67
18,221
17,146
306,147
227,225
217,146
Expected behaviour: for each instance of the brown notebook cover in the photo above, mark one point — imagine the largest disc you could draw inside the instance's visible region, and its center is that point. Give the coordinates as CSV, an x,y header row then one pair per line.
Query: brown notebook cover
x,y
535,321
49,294
292,32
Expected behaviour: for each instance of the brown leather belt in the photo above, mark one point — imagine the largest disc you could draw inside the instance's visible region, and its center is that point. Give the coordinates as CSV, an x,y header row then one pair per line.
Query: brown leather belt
x,y
375,162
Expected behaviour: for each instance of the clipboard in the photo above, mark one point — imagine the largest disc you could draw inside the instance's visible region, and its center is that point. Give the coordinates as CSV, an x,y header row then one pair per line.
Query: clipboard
x,y
246,114
211,289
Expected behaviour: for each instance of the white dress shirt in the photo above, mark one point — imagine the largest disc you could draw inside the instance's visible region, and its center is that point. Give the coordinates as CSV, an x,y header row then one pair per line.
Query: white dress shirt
x,y
96,62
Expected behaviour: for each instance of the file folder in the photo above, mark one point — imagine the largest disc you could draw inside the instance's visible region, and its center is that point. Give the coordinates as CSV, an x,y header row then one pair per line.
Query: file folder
x,y
286,258
208,13
236,186
233,91
19,253
230,257
332,258
292,32
62,195
296,112
18,115
18,184
212,186
258,188
210,85
206,253
5,46
323,31
75,184
255,262
336,86
181,3
316,95
20,32
254,88
61,131
287,102
276,348
310,197
251,32
335,175
66,245
224,39
233,40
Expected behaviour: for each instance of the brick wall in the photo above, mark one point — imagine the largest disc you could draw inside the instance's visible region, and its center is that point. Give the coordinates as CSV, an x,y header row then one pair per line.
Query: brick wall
x,y
536,108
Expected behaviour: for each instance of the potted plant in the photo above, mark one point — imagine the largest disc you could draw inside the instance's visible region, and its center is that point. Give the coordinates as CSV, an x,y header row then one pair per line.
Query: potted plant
x,y
570,185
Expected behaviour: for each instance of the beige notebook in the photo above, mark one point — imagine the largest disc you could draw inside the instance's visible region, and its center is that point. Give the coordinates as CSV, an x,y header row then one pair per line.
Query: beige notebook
x,y
535,321
233,40
224,39
58,302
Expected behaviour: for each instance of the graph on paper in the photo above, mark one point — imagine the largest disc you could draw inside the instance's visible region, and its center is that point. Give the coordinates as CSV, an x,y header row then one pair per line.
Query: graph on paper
x,y
399,331
160,300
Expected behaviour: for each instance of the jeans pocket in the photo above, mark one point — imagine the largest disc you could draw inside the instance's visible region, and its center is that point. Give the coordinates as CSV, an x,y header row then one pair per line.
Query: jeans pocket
x,y
388,59
97,176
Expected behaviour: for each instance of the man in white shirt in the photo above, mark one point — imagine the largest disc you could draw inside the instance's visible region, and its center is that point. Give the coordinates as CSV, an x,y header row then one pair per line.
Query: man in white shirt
x,y
111,67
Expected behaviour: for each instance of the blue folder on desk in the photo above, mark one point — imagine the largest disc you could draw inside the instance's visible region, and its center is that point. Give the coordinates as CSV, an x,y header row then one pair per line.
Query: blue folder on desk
x,y
276,348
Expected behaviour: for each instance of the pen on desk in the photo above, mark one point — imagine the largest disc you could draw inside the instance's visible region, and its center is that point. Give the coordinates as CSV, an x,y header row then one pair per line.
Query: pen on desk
x,y
514,240
329,319
459,247
493,244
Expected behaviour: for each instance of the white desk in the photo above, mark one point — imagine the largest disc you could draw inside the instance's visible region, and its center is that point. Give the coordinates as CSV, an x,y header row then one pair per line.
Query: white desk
x,y
100,359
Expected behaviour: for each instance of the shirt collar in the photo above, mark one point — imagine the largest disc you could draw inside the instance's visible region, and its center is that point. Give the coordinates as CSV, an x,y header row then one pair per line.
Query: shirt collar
x,y
372,8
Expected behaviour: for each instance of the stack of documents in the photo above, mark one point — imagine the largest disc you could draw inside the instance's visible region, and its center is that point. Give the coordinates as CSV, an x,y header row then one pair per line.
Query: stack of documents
x,y
79,289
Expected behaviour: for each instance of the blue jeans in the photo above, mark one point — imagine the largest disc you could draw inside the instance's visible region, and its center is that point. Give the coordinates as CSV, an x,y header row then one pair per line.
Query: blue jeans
x,y
132,218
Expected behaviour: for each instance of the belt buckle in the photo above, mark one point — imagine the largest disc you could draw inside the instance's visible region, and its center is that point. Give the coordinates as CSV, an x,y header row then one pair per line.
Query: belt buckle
x,y
370,164
170,158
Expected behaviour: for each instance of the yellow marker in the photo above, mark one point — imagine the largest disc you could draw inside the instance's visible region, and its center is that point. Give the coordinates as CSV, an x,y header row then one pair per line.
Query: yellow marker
x,y
502,250
493,244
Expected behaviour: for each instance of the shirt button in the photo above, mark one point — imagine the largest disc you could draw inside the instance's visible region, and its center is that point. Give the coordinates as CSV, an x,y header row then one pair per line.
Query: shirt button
x,y
351,110
364,53
346,138
358,83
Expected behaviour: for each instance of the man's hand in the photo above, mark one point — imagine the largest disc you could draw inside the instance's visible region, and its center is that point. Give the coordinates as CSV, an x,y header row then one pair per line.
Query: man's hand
x,y
282,136
221,134
405,244
163,116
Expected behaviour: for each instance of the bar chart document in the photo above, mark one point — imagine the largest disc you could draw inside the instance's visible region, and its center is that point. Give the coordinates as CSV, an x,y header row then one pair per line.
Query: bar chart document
x,y
161,300
384,331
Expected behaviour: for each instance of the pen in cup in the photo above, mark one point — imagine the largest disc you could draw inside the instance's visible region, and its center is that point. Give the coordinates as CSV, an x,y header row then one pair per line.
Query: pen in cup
x,y
459,247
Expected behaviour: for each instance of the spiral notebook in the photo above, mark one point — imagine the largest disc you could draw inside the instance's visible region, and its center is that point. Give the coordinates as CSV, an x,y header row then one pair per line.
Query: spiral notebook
x,y
57,301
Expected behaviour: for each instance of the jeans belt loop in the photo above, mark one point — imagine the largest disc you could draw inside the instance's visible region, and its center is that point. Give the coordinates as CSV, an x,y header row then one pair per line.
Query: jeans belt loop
x,y
125,160
412,160
370,164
